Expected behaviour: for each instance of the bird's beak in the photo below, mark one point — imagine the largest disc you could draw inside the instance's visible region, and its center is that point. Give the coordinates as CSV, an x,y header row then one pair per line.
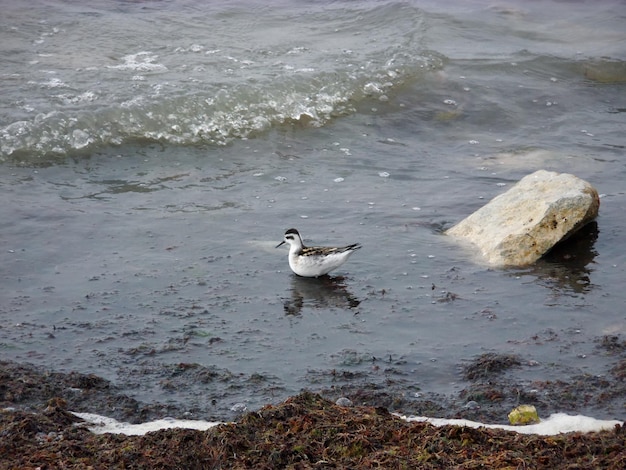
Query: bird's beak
x,y
281,243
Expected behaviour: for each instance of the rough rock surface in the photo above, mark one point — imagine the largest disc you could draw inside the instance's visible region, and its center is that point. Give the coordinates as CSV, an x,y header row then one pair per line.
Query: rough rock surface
x,y
518,227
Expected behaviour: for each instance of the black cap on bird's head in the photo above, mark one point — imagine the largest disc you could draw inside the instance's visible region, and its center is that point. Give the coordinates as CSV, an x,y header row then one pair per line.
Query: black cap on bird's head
x,y
289,235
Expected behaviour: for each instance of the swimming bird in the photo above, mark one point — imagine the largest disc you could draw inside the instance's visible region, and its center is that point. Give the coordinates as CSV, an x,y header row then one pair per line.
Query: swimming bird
x,y
314,261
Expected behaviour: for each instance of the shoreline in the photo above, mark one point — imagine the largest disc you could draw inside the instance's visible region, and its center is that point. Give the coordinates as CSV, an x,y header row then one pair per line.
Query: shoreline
x,y
305,431
491,392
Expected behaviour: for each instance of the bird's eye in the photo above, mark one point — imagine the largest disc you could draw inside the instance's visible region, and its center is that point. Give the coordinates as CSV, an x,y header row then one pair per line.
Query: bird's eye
x,y
289,237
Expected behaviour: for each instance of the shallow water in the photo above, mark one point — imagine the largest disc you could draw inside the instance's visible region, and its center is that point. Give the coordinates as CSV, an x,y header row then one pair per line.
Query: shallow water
x,y
153,157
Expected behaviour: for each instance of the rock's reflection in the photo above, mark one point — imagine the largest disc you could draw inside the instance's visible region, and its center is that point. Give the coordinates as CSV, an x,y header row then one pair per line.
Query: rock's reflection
x,y
568,265
322,292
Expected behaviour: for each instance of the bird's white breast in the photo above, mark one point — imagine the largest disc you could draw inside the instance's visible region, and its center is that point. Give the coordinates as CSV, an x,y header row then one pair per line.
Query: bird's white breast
x,y
313,266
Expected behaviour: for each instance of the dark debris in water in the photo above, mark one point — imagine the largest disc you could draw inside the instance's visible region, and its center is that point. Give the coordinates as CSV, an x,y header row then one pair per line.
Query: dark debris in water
x,y
493,390
489,364
612,344
304,432
27,387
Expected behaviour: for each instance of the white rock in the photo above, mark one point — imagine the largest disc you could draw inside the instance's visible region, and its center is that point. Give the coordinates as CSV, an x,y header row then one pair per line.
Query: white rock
x,y
518,227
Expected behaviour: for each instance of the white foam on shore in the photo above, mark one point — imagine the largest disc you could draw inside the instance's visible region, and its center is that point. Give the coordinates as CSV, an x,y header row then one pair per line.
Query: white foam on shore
x,y
102,425
555,424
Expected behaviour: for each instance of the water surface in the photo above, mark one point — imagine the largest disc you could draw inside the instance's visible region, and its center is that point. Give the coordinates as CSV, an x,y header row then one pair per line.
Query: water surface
x,y
154,153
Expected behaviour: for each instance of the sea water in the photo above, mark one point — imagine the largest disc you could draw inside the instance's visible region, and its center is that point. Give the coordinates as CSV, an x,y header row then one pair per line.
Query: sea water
x,y
153,154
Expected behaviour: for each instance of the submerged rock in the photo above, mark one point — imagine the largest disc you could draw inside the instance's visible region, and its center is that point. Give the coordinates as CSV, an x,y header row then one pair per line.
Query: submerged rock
x,y
518,227
606,71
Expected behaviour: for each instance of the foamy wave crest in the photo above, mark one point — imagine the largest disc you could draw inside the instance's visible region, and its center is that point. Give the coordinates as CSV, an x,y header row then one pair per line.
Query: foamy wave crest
x,y
213,118
189,96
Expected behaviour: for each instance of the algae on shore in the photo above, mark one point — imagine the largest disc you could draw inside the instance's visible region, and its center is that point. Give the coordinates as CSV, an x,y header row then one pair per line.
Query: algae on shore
x,y
305,431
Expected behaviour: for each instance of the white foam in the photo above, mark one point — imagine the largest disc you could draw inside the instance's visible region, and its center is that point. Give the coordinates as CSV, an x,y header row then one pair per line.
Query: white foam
x,y
103,425
143,61
555,424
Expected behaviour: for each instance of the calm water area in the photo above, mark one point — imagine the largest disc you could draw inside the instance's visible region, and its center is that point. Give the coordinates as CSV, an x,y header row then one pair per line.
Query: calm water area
x,y
152,154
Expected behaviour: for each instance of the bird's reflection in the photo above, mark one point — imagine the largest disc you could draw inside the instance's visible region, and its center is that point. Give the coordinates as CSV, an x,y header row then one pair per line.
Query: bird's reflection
x,y
567,266
321,292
